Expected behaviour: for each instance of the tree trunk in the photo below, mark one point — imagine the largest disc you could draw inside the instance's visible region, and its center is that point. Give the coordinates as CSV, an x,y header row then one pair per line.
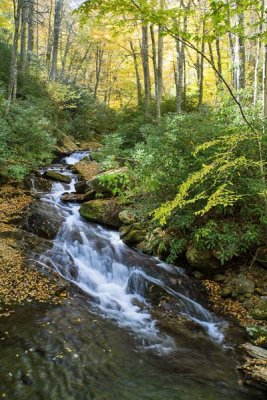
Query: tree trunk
x,y
160,73
145,62
67,48
49,44
201,67
257,60
154,59
57,26
137,75
30,31
23,40
98,68
13,79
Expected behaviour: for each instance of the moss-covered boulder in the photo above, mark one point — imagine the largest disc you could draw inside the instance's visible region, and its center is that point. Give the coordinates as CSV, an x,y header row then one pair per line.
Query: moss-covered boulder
x,y
33,182
132,234
127,217
203,260
260,311
102,211
57,176
87,169
239,287
109,183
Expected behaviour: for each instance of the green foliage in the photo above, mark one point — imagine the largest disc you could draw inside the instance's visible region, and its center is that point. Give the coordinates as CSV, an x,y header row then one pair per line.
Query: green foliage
x,y
199,175
116,183
26,139
227,238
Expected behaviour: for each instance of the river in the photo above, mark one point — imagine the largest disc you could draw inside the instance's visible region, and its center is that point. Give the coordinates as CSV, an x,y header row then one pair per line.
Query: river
x,y
108,341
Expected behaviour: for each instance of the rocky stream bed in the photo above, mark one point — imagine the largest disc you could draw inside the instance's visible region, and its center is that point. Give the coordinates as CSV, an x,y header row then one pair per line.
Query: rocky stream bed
x,y
84,316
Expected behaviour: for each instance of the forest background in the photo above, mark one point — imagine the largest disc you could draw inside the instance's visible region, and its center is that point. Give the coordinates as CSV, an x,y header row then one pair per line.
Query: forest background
x,y
177,90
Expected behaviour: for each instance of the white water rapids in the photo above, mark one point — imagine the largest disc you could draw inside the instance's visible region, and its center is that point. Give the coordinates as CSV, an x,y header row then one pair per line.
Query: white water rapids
x,y
96,260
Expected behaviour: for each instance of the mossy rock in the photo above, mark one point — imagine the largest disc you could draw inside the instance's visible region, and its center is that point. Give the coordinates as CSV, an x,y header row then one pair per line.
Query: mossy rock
x,y
134,237
260,311
239,287
202,260
108,183
57,176
126,217
102,211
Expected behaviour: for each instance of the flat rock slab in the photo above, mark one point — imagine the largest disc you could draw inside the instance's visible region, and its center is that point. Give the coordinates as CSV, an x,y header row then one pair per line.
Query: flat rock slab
x,y
43,220
254,368
57,176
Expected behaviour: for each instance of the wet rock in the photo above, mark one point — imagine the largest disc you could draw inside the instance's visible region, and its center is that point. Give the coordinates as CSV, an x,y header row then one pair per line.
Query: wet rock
x,y
38,183
57,176
254,368
204,261
81,187
126,217
239,287
72,198
260,311
43,220
103,211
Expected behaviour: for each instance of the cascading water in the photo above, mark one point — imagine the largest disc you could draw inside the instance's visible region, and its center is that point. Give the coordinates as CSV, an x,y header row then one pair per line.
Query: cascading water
x,y
96,260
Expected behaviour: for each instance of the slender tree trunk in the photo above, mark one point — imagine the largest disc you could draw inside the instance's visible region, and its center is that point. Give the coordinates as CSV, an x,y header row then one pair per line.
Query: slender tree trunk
x,y
242,50
13,79
201,67
23,40
30,31
232,47
145,62
154,59
257,60
160,73
67,48
57,26
49,44
98,68
137,75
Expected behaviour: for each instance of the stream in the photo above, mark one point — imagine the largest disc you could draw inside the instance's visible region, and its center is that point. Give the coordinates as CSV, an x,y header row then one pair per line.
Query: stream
x,y
109,341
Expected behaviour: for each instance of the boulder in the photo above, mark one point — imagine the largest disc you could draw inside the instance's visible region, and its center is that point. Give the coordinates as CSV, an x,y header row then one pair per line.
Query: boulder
x,y
33,182
43,220
134,237
108,183
239,287
86,169
132,234
66,146
81,187
254,367
102,211
204,261
72,198
126,217
260,311
57,176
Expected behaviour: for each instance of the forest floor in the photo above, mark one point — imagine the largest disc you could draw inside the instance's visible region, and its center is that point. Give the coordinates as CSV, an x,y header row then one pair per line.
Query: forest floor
x,y
18,283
